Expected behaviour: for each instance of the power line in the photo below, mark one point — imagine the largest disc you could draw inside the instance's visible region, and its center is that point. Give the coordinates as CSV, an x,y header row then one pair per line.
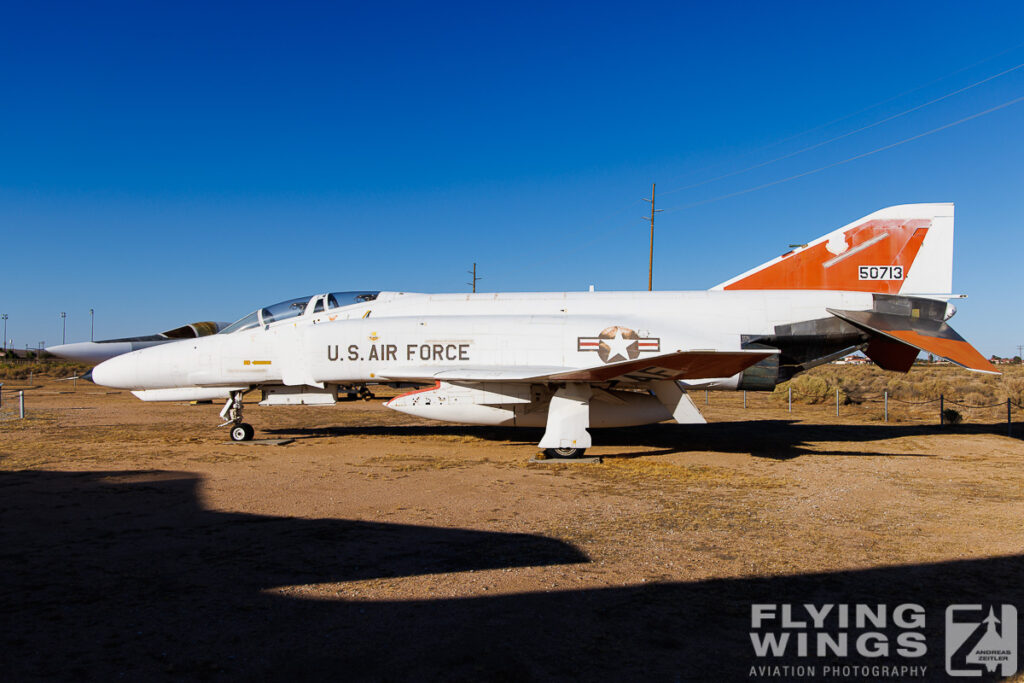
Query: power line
x,y
847,134
849,159
894,97
604,235
867,108
611,216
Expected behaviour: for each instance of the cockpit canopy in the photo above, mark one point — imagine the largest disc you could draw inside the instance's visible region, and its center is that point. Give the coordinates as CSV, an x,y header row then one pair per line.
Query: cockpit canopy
x,y
192,330
296,307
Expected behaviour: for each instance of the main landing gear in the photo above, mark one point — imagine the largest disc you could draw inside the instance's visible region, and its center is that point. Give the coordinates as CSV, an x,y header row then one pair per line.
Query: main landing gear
x,y
564,452
356,392
232,414
566,435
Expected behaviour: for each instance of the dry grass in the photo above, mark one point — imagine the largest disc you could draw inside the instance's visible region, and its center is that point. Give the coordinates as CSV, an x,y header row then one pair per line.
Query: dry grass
x,y
48,367
397,462
632,472
923,383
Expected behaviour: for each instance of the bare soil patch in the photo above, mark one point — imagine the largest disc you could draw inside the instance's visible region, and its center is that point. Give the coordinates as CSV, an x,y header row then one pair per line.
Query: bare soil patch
x,y
137,544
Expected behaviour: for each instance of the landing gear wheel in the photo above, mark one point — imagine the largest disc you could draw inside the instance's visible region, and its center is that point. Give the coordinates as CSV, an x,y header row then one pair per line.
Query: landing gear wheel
x,y
564,452
242,432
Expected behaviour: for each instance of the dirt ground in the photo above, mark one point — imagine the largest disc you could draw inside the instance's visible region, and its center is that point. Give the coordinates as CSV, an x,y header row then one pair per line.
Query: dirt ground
x,y
139,544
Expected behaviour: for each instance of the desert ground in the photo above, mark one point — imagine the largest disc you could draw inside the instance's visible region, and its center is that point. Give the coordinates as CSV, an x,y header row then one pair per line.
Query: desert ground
x,y
138,543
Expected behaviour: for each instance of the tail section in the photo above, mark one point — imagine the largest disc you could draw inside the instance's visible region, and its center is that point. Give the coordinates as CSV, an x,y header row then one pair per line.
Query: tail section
x,y
906,249
898,328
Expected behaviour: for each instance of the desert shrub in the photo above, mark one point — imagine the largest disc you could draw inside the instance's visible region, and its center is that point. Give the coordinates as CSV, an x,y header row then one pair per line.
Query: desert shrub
x,y
899,388
977,398
1012,386
860,384
933,387
952,416
810,388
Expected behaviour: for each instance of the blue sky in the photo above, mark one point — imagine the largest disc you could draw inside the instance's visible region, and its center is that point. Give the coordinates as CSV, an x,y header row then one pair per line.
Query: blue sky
x,y
170,162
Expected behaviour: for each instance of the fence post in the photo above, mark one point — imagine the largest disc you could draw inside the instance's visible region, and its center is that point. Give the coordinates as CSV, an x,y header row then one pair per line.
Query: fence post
x,y
837,401
1009,423
21,405
886,405
705,397
744,398
1,394
942,410
791,398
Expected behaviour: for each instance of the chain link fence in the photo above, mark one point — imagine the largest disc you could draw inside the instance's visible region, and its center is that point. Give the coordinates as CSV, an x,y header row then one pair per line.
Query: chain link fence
x,y
945,408
12,403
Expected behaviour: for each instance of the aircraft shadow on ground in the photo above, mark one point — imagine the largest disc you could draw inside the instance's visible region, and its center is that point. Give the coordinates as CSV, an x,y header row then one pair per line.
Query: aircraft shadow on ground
x,y
126,575
774,439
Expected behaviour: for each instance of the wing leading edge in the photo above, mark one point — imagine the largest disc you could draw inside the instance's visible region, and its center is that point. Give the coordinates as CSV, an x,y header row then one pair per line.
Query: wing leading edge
x,y
667,366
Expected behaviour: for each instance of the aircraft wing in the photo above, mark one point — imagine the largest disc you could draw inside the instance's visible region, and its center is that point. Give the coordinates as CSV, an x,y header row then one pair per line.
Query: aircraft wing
x,y
668,366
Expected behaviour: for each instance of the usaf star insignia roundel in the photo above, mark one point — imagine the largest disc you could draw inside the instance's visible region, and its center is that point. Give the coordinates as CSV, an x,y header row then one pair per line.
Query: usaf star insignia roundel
x,y
618,343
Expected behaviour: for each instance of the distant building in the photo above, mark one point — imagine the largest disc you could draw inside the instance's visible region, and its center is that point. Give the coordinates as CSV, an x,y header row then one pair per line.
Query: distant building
x,y
852,359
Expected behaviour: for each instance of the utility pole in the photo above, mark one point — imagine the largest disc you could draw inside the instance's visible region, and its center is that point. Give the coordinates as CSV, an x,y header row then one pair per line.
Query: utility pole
x,y
650,267
92,324
1020,352
63,327
475,278
4,316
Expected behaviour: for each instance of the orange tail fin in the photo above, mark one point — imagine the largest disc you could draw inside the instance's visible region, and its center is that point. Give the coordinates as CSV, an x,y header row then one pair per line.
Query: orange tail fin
x,y
905,249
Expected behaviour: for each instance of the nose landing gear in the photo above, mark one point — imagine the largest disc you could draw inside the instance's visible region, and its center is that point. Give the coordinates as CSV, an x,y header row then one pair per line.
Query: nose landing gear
x,y
232,414
242,432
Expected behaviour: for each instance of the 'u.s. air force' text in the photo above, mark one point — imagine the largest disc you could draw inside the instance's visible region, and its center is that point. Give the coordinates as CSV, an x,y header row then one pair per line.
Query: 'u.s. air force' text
x,y
390,352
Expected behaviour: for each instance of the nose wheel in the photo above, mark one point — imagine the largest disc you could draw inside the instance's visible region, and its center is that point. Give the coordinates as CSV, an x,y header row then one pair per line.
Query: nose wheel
x,y
242,432
232,414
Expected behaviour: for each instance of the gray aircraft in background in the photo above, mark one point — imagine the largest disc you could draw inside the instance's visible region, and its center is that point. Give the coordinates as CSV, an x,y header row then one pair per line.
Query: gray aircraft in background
x,y
99,351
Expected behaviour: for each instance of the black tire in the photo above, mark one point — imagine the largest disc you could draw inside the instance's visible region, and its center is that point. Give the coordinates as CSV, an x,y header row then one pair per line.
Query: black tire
x,y
564,452
242,432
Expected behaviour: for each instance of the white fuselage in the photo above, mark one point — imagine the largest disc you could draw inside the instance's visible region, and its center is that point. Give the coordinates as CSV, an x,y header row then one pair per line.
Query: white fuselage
x,y
572,360
425,335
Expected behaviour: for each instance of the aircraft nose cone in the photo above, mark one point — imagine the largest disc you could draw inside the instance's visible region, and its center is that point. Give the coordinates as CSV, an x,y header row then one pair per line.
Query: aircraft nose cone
x,y
66,351
120,372
89,352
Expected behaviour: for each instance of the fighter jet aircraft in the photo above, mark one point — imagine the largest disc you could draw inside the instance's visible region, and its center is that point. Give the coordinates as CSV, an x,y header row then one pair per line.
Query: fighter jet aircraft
x,y
99,351
568,361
